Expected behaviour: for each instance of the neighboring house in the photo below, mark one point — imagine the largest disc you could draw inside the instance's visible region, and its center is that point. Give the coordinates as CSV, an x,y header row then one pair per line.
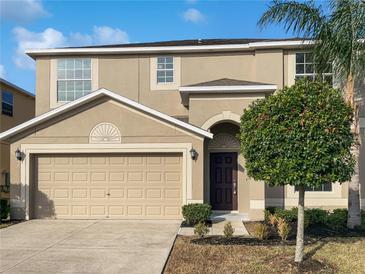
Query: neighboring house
x,y
137,130
17,106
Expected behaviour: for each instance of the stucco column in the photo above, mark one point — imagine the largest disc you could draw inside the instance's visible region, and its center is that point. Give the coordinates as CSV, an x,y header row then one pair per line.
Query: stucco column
x,y
257,200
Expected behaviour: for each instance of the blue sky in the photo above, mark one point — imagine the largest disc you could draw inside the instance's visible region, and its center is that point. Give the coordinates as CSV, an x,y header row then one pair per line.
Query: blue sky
x,y
38,24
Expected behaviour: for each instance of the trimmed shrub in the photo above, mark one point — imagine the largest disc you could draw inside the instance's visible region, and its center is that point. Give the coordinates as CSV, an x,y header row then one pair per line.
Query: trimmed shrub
x,y
201,229
283,228
4,209
316,216
337,219
261,231
290,215
228,230
196,213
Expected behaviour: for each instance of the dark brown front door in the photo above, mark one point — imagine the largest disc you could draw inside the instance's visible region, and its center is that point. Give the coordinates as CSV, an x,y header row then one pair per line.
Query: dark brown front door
x,y
223,181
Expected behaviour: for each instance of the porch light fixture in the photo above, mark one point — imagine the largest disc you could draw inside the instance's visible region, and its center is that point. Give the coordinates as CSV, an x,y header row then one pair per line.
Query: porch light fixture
x,y
18,154
193,154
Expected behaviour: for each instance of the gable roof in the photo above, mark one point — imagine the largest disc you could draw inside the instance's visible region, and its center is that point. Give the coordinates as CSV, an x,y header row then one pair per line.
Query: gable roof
x,y
5,82
98,94
197,45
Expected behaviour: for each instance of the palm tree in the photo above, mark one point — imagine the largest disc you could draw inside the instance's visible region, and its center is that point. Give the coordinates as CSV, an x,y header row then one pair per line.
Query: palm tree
x,y
337,34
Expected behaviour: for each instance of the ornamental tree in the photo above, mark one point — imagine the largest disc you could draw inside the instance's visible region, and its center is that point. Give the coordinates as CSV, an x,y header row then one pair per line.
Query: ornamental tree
x,y
337,28
301,136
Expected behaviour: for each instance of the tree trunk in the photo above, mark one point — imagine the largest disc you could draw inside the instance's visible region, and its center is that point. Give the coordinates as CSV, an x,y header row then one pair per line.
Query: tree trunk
x,y
354,216
299,250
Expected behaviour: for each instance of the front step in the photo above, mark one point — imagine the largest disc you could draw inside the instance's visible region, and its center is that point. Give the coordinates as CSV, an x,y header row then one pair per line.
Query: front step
x,y
218,216
219,219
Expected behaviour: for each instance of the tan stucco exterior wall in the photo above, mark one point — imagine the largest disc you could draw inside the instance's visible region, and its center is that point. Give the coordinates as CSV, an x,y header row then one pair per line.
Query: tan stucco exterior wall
x,y
42,85
23,110
129,75
204,107
135,127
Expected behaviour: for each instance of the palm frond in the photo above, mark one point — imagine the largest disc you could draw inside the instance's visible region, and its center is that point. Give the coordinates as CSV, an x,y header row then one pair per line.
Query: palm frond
x,y
303,19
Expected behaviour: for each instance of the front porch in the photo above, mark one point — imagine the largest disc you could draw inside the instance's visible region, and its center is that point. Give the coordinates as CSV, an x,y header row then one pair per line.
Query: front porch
x,y
227,188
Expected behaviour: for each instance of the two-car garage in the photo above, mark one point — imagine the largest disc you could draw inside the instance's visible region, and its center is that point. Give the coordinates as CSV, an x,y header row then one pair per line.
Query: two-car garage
x,y
99,186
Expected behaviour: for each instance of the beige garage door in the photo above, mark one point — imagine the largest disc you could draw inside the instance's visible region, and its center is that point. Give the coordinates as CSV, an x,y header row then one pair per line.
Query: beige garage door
x,y
133,186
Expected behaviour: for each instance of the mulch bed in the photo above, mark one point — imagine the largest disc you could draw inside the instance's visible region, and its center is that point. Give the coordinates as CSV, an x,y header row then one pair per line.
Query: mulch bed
x,y
216,254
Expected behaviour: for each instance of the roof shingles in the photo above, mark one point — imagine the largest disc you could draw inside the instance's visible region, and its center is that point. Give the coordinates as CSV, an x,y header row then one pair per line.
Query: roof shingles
x,y
192,42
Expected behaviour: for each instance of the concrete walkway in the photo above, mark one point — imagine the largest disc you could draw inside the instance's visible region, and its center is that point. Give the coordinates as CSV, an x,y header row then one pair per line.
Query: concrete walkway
x,y
107,246
218,222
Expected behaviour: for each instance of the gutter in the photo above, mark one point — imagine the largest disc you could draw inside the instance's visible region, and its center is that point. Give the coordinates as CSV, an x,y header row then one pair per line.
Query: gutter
x,y
166,49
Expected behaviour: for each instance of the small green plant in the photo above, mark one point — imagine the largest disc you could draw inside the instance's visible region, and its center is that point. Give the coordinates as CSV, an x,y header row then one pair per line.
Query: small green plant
x,y
272,219
4,209
268,211
228,230
284,228
196,213
261,231
201,229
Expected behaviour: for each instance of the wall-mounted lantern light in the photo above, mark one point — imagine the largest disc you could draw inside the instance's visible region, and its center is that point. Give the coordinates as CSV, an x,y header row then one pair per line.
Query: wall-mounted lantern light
x,y
18,154
193,154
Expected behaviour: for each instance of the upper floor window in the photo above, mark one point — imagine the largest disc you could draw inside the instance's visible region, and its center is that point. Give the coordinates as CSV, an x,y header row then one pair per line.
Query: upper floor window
x,y
73,78
165,69
324,187
7,103
305,68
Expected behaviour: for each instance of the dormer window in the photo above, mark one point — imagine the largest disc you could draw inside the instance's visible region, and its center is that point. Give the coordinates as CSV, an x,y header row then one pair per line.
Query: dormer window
x,y
73,78
165,69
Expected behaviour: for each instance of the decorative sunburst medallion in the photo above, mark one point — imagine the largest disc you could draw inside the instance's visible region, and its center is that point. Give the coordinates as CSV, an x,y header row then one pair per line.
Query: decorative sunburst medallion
x,y
105,133
224,140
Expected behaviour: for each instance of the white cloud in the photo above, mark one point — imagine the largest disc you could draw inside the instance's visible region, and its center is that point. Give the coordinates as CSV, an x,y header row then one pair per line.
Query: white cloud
x,y
193,15
22,11
2,71
100,35
52,38
26,39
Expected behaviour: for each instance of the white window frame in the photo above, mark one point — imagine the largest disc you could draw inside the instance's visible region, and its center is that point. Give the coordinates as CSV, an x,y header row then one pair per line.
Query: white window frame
x,y
165,70
304,74
53,97
7,103
66,80
165,86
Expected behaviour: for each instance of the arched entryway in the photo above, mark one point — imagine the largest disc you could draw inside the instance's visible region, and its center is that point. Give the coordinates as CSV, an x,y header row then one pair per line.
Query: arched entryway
x,y
223,167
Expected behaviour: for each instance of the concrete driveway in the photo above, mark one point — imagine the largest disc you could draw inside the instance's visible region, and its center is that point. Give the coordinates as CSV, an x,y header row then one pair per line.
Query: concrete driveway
x,y
107,246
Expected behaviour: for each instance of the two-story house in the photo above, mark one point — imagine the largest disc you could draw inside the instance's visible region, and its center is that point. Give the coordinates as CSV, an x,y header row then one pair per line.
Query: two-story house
x,y
137,130
17,106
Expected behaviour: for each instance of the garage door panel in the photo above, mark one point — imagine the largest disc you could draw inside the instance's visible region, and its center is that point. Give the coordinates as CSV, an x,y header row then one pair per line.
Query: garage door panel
x,y
80,193
116,176
135,176
138,186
